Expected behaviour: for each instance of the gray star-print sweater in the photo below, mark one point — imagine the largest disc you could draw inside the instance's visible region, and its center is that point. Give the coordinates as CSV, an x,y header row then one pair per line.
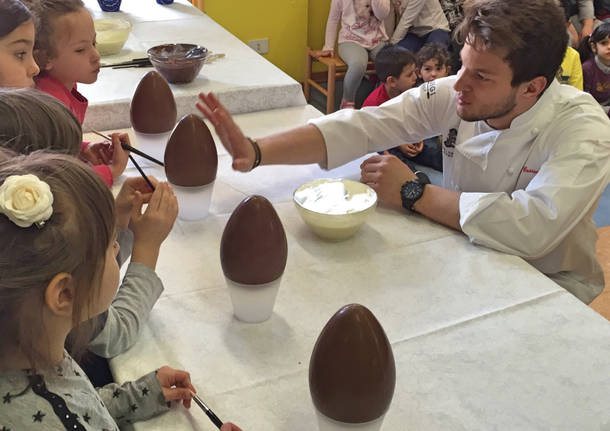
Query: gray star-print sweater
x,y
120,325
63,398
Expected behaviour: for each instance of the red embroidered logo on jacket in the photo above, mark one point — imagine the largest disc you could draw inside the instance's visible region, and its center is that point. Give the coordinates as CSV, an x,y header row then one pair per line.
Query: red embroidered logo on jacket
x,y
528,170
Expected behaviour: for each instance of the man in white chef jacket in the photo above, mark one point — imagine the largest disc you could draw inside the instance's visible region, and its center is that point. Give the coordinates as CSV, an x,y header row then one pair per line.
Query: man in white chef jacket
x,y
525,158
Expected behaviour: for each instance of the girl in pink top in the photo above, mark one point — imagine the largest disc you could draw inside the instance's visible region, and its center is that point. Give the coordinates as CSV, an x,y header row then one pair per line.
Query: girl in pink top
x,y
66,54
362,35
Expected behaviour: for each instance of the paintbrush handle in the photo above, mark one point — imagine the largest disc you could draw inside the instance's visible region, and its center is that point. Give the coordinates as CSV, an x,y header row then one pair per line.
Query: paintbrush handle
x,y
142,173
141,154
215,420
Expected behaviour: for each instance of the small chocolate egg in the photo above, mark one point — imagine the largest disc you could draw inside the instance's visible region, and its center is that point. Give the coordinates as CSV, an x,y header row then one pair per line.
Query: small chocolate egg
x,y
190,155
153,108
253,248
351,371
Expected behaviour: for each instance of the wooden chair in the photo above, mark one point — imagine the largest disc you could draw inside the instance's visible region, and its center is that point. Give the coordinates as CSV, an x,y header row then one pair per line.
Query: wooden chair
x,y
336,70
601,304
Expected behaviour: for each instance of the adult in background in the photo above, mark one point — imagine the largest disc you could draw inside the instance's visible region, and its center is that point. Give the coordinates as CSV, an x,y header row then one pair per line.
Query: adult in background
x,y
525,159
581,14
419,22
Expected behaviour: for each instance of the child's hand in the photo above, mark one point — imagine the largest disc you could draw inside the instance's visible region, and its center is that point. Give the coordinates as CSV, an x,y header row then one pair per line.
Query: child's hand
x,y
119,155
97,153
324,53
125,200
228,426
151,228
176,385
412,150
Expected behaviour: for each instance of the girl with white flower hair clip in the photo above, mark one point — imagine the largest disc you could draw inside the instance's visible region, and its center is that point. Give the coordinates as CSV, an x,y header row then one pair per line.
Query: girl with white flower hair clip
x,y
32,121
54,279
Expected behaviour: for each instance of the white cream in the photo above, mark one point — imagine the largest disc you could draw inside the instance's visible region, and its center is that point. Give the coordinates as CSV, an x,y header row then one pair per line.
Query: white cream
x,y
335,197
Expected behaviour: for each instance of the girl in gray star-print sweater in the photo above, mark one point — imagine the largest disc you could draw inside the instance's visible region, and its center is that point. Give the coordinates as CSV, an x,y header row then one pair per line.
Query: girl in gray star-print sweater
x,y
58,269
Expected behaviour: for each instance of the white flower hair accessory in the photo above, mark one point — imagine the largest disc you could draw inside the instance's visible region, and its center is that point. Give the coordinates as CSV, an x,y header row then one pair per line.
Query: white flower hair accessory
x,y
26,200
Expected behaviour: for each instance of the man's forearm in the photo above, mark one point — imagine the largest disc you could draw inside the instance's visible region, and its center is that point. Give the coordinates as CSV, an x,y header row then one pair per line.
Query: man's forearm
x,y
302,145
441,205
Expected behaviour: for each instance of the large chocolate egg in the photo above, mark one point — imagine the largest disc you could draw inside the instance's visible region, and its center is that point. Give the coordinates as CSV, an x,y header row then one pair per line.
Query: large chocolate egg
x,y
190,155
253,248
351,372
153,108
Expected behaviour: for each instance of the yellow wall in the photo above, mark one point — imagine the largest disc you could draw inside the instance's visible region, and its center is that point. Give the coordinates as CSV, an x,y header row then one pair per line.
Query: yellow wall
x,y
318,14
284,22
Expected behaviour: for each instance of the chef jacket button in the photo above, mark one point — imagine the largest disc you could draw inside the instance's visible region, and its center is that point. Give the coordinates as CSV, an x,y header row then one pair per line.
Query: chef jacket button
x,y
510,171
535,131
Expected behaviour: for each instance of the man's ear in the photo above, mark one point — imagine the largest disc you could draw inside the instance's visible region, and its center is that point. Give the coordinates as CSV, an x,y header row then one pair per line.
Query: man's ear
x,y
59,295
535,87
448,70
390,81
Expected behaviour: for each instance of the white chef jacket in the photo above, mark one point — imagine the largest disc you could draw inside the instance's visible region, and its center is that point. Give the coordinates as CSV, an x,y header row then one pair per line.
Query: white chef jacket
x,y
529,190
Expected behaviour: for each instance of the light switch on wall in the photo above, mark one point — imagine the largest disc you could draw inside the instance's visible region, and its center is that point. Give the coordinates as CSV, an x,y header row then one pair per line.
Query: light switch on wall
x,y
260,45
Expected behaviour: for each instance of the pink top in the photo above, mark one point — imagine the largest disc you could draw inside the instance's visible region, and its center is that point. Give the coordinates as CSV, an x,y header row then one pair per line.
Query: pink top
x,y
78,105
361,22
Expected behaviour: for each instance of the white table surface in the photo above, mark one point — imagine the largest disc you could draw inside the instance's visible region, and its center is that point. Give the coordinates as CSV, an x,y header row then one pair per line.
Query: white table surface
x,y
481,339
243,80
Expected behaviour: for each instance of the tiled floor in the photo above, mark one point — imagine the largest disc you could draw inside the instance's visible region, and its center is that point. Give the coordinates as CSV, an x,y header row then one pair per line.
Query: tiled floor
x,y
601,217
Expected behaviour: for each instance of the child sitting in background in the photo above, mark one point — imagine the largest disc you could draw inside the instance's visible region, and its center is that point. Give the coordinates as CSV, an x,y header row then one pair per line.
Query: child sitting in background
x,y
432,62
570,71
361,37
595,52
17,65
65,52
58,274
396,70
31,120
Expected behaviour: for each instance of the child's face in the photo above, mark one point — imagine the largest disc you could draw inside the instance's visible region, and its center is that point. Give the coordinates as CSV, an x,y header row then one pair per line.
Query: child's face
x,y
17,65
110,280
432,69
602,49
407,78
76,58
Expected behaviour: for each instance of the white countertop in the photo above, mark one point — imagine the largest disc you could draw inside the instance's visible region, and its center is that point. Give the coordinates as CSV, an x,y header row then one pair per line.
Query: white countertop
x,y
243,80
481,339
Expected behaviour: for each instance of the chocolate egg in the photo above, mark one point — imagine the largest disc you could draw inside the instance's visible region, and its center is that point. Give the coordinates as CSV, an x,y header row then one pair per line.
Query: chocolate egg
x,y
351,371
253,248
190,155
153,108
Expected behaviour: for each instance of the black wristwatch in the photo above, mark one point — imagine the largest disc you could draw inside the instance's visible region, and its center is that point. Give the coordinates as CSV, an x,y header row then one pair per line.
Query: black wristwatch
x,y
411,191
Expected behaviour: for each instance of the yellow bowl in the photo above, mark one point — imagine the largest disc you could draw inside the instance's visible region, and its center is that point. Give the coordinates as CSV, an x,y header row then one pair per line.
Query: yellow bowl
x,y
334,208
111,35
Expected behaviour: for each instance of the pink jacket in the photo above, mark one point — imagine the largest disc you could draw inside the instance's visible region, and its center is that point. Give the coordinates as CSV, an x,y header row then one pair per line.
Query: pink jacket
x,y
78,105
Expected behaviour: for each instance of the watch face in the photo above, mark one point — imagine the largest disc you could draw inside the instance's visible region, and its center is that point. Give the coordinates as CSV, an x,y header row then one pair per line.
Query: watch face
x,y
412,191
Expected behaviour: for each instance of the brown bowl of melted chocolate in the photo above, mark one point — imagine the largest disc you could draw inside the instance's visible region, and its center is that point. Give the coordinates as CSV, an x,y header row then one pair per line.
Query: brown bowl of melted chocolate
x,y
179,63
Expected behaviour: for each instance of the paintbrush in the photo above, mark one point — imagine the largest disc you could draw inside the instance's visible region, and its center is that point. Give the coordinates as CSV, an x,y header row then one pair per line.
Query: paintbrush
x,y
131,149
150,184
132,63
207,410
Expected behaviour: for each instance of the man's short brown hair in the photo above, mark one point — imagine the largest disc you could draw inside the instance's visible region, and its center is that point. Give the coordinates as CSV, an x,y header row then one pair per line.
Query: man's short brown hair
x,y
531,32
